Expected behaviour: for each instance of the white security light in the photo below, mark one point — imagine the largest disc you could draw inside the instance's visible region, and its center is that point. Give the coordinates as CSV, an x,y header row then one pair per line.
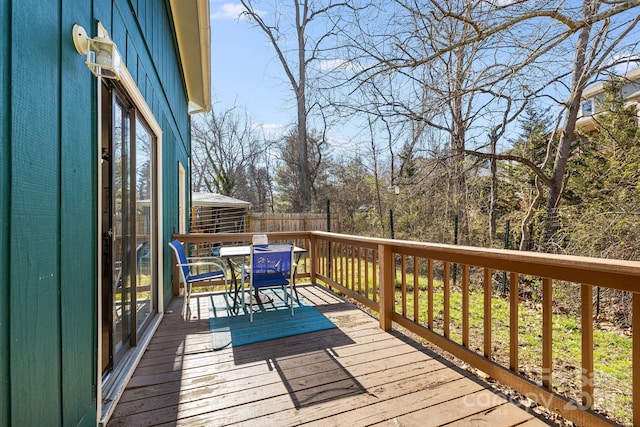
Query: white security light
x,y
103,58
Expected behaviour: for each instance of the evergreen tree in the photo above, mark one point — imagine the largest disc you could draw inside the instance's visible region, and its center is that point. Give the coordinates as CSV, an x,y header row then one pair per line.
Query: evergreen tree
x,y
604,188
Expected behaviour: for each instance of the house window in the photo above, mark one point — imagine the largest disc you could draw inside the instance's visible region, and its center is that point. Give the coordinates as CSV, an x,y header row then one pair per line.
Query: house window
x,y
587,108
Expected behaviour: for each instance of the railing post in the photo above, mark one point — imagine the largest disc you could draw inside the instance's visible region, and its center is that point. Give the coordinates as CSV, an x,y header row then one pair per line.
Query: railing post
x,y
446,291
547,333
465,305
487,312
513,322
430,293
586,297
387,286
313,243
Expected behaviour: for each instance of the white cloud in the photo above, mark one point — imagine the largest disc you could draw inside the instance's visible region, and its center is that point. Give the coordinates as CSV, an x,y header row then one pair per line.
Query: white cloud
x,y
231,11
228,11
336,65
272,130
500,3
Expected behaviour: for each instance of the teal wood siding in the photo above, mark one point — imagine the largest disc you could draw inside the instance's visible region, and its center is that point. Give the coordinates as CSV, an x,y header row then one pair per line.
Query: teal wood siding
x,y
48,193
34,272
78,227
4,213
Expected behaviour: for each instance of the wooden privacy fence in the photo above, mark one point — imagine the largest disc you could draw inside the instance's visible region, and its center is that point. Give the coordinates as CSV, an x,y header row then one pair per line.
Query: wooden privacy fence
x,y
220,219
275,222
391,277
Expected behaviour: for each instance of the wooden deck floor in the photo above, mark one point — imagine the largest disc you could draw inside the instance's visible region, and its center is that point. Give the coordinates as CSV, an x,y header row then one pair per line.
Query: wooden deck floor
x,y
354,375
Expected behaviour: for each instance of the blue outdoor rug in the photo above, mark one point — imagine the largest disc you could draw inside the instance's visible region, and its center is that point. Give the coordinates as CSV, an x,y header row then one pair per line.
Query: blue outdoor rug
x,y
270,320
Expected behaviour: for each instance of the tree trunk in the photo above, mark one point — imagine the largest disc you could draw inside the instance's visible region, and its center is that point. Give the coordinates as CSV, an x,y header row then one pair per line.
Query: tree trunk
x,y
304,175
493,204
568,130
303,156
525,241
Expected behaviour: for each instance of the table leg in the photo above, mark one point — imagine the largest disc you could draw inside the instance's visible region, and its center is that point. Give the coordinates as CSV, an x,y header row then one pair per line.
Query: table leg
x,y
234,281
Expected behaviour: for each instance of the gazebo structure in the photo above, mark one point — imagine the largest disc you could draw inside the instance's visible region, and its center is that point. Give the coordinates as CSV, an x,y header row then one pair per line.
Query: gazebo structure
x,y
216,213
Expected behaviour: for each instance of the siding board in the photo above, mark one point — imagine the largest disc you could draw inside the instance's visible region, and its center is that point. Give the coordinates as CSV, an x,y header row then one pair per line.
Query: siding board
x,y
34,221
118,32
5,152
132,58
103,12
170,206
141,13
78,228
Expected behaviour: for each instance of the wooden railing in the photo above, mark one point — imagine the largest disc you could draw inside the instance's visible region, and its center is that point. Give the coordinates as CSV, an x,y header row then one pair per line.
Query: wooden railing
x,y
392,277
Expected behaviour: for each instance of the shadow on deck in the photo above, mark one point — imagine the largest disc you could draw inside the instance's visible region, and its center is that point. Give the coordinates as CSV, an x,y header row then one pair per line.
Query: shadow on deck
x,y
353,375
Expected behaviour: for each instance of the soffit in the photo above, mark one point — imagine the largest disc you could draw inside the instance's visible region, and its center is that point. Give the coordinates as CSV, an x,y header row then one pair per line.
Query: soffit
x,y
193,34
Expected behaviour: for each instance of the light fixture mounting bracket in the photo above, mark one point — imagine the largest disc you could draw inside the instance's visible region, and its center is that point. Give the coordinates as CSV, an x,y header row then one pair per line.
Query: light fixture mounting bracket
x,y
80,39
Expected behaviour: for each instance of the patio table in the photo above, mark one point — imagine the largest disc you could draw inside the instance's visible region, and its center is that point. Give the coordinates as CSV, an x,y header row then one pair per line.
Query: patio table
x,y
231,252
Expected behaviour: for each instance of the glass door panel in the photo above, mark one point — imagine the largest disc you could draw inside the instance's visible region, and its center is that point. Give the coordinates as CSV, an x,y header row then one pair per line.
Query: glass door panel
x,y
144,215
121,211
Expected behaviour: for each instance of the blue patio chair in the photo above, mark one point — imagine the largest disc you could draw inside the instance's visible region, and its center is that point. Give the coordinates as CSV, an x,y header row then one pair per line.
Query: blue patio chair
x,y
271,266
218,271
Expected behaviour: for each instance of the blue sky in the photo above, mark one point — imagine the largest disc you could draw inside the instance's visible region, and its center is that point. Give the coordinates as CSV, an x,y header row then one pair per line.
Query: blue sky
x,y
245,70
246,73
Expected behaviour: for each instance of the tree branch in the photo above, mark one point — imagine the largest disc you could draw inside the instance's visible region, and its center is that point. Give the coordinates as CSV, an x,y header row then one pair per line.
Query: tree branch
x,y
534,168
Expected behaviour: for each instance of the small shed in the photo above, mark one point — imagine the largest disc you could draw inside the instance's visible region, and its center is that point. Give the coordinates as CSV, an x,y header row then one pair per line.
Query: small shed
x,y
216,213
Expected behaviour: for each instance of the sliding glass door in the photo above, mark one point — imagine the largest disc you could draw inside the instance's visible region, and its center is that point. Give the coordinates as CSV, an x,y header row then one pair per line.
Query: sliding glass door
x,y
129,208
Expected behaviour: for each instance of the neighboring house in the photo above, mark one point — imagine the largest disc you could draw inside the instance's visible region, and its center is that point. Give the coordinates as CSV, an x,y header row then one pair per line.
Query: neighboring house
x,y
93,179
593,95
216,213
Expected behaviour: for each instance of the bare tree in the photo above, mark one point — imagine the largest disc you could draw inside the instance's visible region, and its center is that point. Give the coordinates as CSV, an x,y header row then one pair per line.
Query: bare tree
x,y
597,37
286,176
309,46
447,93
593,47
225,145
509,114
523,38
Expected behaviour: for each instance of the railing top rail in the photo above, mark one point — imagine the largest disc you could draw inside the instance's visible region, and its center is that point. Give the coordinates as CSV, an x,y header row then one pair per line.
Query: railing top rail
x,y
611,273
238,237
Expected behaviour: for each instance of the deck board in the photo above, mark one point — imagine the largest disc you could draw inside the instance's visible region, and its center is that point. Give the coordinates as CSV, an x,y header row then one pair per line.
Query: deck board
x,y
353,375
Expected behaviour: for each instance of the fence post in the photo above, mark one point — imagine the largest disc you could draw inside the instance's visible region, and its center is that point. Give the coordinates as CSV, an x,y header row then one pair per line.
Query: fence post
x,y
387,286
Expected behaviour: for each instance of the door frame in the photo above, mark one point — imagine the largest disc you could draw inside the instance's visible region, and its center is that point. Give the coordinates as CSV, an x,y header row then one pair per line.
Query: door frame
x,y
130,361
